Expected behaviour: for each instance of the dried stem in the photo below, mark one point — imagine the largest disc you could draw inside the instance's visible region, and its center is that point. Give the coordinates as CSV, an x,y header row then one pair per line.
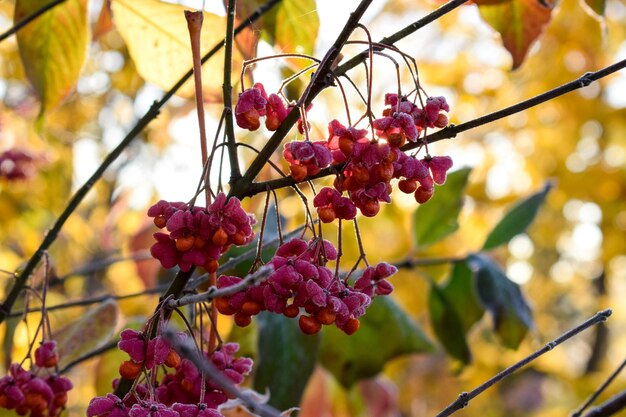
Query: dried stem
x,y
465,397
194,25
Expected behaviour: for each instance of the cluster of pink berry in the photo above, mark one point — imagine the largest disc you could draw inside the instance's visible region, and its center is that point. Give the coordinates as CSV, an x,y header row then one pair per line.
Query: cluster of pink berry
x,y
199,236
30,393
369,165
180,391
254,103
301,281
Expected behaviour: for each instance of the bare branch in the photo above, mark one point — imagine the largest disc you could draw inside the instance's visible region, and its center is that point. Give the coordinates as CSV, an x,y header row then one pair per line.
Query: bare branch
x,y
212,293
465,397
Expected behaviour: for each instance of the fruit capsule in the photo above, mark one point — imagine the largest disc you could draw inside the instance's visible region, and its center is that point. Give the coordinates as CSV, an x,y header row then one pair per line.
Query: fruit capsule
x,y
309,325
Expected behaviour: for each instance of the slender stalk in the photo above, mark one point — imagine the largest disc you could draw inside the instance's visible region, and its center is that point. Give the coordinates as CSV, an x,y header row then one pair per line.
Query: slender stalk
x,y
227,88
19,25
583,81
465,397
80,194
96,352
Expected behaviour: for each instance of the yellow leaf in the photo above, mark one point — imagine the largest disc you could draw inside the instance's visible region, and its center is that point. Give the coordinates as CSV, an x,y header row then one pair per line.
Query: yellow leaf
x,y
158,41
53,47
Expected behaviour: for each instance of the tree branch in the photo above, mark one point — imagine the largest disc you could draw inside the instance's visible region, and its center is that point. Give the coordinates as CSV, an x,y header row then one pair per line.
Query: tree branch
x,y
30,18
465,397
401,34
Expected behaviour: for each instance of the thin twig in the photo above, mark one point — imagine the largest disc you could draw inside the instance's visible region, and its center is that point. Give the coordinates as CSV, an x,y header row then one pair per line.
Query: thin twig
x,y
412,263
582,81
96,352
188,351
466,397
611,406
402,33
212,293
599,391
19,25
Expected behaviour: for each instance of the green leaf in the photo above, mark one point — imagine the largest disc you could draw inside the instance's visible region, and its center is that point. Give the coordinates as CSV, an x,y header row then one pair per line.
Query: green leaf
x,y
438,217
595,8
519,22
91,331
512,317
460,292
517,219
53,47
386,332
447,325
285,359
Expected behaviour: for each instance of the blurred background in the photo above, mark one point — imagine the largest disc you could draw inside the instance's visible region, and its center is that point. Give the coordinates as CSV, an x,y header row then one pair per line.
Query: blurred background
x,y
571,263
